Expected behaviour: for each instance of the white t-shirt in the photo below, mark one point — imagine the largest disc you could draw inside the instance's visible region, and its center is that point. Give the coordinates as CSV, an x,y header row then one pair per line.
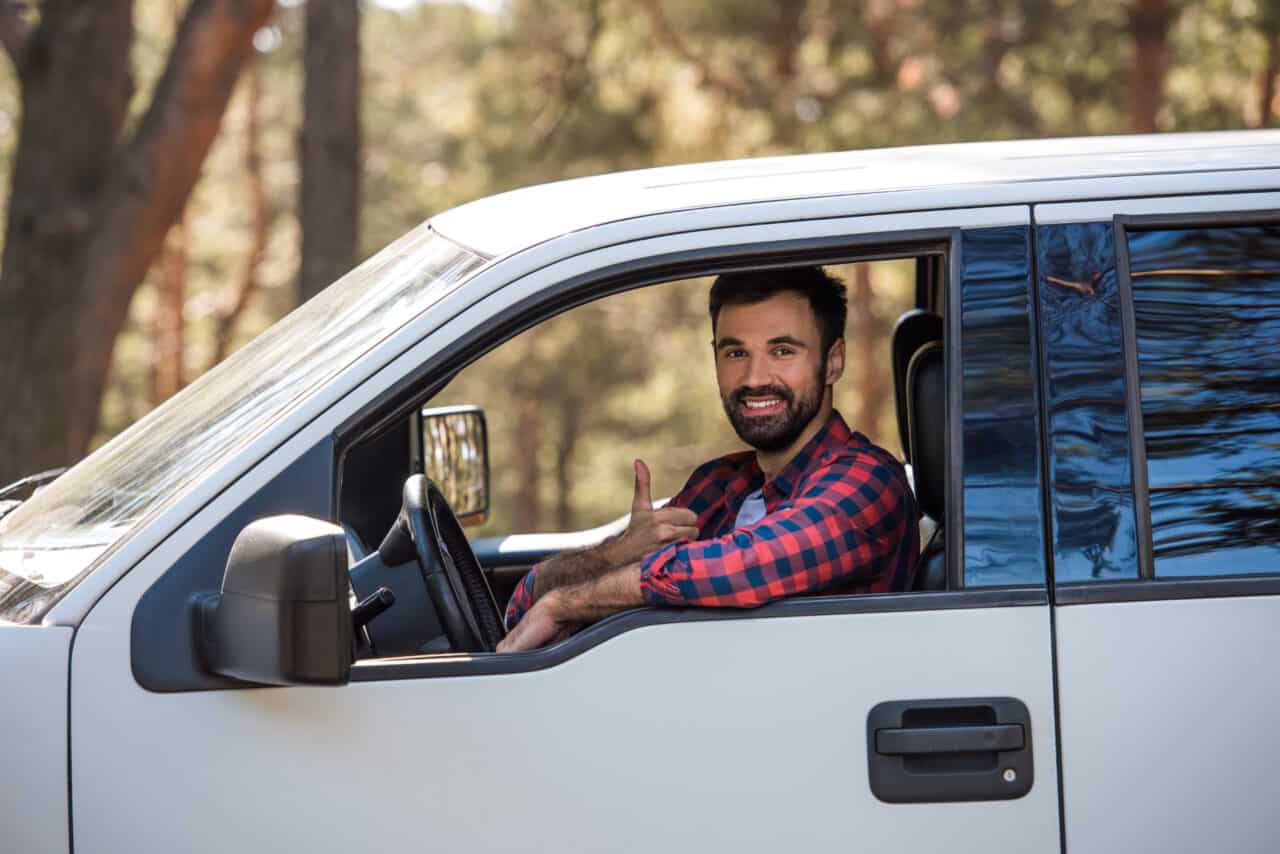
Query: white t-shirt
x,y
752,509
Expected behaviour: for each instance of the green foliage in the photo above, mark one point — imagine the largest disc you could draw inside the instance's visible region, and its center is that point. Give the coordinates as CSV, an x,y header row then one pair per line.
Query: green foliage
x,y
461,103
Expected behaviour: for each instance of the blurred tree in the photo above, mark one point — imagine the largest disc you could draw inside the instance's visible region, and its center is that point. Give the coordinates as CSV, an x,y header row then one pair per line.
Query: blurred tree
x,y
329,144
1269,26
92,199
232,307
466,99
168,368
1149,22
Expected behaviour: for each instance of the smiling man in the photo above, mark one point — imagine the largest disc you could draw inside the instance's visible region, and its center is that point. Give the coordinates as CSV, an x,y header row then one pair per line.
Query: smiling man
x,y
814,508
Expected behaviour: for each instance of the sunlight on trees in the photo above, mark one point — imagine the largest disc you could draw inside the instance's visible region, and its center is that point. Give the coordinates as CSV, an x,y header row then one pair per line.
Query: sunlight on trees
x,y
464,99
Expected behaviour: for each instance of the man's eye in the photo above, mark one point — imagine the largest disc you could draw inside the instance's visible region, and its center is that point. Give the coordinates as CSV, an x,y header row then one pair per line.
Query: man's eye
x,y
783,351
735,354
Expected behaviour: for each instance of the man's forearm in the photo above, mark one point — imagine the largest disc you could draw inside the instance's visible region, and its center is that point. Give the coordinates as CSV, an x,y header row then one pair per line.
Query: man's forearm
x,y
564,607
597,598
647,530
569,568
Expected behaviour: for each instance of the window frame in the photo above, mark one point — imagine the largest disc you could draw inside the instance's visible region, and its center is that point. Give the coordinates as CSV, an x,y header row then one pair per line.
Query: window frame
x,y
400,401
514,293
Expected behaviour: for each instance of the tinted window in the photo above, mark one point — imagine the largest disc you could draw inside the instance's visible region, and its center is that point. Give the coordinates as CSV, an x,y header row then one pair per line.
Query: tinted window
x,y
1003,524
1207,317
1083,343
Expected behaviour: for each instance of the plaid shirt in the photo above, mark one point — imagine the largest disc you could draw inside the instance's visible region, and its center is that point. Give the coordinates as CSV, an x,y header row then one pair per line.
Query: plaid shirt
x,y
840,518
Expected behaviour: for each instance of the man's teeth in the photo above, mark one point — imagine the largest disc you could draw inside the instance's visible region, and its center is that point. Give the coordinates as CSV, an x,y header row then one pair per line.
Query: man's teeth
x,y
760,404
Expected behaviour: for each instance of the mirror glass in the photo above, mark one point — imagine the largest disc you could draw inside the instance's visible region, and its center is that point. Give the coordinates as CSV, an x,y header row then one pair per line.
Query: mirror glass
x,y
454,453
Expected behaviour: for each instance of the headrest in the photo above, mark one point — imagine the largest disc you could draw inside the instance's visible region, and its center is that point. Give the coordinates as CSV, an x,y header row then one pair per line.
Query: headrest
x,y
927,428
912,331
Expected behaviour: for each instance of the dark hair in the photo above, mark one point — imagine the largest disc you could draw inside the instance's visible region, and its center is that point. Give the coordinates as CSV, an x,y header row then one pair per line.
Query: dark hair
x,y
826,295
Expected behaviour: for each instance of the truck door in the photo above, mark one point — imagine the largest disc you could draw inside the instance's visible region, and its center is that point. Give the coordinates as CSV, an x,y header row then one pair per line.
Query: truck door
x,y
1162,348
917,721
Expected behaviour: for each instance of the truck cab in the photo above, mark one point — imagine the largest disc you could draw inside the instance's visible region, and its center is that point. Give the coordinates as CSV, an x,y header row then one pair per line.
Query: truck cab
x,y
1086,393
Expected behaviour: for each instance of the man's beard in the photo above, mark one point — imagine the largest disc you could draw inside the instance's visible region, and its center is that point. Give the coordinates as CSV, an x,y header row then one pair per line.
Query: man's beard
x,y
776,432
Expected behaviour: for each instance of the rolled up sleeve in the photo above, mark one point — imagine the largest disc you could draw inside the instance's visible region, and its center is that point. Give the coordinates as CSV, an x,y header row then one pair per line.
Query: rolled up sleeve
x,y
521,600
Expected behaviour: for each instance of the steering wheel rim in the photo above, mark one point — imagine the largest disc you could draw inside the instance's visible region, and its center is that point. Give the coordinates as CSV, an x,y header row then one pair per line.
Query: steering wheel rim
x,y
452,574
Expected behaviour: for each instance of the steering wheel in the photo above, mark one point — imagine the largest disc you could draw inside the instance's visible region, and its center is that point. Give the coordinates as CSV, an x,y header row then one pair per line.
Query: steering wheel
x,y
456,584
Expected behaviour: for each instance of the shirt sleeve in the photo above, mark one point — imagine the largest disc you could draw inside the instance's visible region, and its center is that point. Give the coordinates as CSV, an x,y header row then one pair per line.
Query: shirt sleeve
x,y
521,600
845,525
522,597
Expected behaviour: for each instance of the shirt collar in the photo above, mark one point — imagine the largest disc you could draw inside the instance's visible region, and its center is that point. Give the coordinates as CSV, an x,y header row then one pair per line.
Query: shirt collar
x,y
833,436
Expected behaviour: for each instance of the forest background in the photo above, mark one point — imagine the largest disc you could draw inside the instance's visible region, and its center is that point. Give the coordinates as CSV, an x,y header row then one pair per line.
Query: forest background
x,y
182,173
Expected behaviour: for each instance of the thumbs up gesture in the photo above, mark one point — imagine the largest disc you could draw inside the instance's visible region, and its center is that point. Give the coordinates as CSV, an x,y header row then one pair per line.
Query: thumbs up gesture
x,y
649,529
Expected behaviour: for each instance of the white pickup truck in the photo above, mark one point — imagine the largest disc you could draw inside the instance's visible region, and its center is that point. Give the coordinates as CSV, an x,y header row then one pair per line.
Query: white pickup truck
x,y
1089,399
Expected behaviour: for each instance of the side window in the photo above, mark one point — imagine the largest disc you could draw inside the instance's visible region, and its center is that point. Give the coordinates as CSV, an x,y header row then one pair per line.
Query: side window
x,y
1003,521
1206,308
1082,342
571,402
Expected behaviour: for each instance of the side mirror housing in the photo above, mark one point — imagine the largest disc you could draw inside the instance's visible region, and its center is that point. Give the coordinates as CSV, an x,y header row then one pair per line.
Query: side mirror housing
x,y
283,616
453,447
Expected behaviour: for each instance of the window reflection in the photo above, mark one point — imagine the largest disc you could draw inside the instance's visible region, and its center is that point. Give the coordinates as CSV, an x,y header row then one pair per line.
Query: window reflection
x,y
1093,516
1207,311
1003,539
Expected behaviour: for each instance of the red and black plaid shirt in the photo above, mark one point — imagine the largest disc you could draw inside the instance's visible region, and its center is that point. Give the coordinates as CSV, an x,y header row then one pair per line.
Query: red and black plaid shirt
x,y
839,518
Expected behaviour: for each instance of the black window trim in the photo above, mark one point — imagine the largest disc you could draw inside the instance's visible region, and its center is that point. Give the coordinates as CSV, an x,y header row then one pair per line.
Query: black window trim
x,y
953,350
400,401
1165,588
1041,368
1149,585
1133,404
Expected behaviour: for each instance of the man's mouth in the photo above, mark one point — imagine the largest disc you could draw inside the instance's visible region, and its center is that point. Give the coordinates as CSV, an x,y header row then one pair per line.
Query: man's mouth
x,y
763,405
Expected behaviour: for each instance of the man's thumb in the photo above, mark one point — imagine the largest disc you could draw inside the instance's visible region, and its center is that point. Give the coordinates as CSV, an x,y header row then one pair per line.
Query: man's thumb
x,y
641,501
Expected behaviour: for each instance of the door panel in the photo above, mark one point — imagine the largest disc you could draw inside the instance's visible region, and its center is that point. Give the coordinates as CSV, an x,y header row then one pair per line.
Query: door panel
x,y
747,733
1168,724
1166,687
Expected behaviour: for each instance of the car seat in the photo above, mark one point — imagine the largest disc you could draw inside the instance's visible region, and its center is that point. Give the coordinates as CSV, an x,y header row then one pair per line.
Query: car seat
x,y
921,389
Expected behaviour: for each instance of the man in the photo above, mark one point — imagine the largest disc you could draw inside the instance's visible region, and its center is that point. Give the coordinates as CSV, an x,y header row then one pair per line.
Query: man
x,y
814,508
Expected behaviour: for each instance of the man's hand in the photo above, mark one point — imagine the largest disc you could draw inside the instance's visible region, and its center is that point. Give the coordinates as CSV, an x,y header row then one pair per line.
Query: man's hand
x,y
538,627
649,529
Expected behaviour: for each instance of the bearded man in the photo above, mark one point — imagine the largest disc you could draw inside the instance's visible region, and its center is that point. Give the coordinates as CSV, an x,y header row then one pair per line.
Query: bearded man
x,y
814,508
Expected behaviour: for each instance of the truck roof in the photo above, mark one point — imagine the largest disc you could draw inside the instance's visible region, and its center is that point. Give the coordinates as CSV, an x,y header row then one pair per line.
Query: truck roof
x,y
907,178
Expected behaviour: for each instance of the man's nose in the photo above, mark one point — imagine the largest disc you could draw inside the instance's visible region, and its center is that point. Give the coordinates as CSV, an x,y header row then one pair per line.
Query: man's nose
x,y
758,373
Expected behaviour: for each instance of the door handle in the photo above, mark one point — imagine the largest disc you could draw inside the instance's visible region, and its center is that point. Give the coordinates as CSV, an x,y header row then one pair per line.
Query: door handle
x,y
949,739
929,751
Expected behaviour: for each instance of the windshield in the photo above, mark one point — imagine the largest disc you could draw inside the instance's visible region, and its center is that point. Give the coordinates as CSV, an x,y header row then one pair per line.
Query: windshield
x,y
53,539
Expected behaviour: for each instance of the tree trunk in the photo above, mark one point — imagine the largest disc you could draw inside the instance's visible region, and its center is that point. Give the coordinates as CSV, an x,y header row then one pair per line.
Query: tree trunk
x,y
566,444
527,443
75,88
865,361
329,145
168,345
88,213
238,300
1149,22
1267,89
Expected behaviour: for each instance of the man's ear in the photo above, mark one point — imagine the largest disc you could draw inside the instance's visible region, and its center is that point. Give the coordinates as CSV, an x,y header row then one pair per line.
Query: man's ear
x,y
835,361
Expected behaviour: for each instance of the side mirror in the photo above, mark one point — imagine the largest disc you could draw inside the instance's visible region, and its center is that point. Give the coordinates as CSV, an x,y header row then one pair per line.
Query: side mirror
x,y
454,450
283,616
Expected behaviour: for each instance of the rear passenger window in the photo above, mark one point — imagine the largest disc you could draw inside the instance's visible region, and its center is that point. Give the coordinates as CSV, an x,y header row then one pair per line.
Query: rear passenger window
x,y
1207,320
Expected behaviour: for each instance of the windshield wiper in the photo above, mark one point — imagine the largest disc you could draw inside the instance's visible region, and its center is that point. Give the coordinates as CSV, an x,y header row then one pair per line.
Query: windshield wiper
x,y
31,482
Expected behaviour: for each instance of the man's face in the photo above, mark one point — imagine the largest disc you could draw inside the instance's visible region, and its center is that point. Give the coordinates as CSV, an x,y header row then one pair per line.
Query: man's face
x,y
771,370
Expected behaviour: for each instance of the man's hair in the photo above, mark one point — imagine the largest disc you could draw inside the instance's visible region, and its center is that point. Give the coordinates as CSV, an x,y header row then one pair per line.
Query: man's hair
x,y
825,293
